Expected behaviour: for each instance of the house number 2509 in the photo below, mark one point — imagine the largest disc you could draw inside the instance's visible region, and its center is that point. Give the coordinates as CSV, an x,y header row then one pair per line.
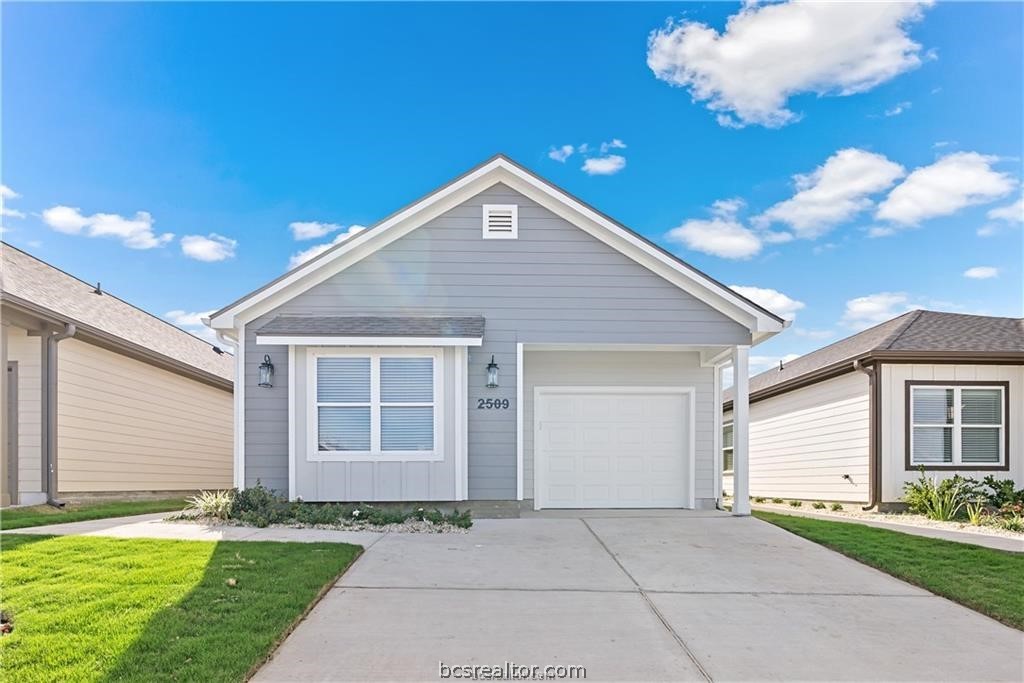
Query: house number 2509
x,y
491,403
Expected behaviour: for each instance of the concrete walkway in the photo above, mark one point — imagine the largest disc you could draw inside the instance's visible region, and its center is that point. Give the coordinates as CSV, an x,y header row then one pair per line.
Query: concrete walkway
x,y
689,596
1014,545
154,526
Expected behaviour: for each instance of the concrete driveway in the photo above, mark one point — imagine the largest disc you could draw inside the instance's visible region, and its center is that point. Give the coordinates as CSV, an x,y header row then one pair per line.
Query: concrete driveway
x,y
644,596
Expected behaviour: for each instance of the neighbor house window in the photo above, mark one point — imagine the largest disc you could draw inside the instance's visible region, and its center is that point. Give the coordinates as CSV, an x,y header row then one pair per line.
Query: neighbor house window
x,y
727,447
376,403
957,425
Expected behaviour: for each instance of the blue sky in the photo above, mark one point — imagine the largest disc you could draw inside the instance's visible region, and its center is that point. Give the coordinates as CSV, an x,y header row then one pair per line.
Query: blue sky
x,y
238,120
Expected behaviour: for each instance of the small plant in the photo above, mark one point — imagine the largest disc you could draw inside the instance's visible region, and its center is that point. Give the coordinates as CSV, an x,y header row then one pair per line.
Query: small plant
x,y
216,504
818,505
795,503
759,499
259,506
777,501
1012,523
836,507
1002,492
976,512
940,500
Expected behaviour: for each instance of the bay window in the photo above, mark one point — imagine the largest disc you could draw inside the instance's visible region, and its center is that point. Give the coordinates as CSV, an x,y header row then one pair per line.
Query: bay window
x,y
375,404
957,425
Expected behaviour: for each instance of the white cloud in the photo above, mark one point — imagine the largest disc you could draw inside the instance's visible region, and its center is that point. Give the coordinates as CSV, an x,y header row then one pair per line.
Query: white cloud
x,y
981,272
727,238
606,165
5,194
11,213
898,109
614,144
134,233
314,251
817,335
211,248
943,143
759,364
723,235
865,311
768,53
834,192
310,230
192,322
881,231
560,154
774,300
1011,213
8,193
950,184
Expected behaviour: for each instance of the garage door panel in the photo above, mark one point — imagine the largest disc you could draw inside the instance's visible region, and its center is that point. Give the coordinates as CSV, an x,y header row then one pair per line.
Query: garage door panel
x,y
610,449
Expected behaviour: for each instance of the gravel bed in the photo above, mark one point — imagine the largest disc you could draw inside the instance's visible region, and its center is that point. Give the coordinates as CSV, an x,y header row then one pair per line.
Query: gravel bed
x,y
412,526
854,512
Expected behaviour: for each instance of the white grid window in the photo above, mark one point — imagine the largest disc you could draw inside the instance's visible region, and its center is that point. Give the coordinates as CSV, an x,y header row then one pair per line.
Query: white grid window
x,y
957,426
375,403
727,448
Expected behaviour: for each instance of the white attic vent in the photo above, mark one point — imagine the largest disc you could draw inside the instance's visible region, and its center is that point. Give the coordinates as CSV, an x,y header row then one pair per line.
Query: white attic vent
x,y
501,221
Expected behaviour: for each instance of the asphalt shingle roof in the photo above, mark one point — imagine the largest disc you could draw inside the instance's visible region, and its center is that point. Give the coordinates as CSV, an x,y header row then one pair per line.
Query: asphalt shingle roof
x,y
915,331
25,277
376,326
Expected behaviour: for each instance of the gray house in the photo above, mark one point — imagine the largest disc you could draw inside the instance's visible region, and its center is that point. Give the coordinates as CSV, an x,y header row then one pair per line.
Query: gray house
x,y
496,340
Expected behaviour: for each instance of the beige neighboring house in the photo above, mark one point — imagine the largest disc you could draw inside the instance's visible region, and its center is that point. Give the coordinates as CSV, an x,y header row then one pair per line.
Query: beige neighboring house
x,y
855,420
100,398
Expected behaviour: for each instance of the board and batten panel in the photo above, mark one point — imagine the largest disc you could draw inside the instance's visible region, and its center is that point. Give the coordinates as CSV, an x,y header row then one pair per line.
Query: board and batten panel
x,y
624,368
804,441
894,378
359,481
554,284
125,425
27,351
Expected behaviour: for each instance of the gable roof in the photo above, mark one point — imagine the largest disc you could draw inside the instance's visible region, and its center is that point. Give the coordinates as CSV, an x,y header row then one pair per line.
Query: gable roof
x,y
762,322
924,334
39,288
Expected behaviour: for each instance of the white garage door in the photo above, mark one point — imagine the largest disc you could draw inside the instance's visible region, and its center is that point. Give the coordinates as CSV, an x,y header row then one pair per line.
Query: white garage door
x,y
613,448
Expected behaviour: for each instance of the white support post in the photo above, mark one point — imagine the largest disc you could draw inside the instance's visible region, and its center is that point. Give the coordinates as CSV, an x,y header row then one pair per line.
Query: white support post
x,y
741,431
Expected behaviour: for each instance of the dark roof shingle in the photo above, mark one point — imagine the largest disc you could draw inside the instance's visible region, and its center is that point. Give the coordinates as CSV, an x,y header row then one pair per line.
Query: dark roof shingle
x,y
36,282
376,326
917,331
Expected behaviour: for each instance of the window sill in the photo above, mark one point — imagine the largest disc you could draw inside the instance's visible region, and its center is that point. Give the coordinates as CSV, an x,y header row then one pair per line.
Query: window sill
x,y
952,468
406,456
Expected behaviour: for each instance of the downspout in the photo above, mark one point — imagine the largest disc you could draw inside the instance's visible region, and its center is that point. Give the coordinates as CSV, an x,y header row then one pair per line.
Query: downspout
x,y
50,447
874,427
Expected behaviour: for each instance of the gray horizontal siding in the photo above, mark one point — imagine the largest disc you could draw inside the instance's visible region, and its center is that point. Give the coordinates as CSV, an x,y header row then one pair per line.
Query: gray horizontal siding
x,y
554,284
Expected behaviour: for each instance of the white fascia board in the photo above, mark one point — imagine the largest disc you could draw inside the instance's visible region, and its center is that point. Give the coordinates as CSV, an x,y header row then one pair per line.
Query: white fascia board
x,y
499,170
294,340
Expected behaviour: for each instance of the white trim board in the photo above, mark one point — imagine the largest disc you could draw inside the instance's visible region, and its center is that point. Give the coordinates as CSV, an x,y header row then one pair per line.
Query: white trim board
x,y
689,391
500,170
292,340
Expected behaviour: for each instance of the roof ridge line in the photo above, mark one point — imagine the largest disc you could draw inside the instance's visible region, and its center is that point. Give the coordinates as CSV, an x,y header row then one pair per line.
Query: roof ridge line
x,y
892,338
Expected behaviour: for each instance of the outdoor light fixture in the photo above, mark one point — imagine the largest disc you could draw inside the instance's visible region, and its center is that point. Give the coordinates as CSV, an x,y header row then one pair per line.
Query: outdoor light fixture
x,y
492,374
266,372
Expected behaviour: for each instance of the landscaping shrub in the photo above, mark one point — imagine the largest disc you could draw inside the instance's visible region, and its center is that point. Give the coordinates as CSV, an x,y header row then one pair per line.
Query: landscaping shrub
x,y
836,507
759,499
1011,523
776,500
1001,492
940,500
818,505
259,506
317,513
215,504
795,503
976,513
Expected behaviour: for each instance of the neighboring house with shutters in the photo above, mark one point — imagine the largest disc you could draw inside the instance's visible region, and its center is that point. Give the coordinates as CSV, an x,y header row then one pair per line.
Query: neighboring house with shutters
x,y
855,420
100,398
496,340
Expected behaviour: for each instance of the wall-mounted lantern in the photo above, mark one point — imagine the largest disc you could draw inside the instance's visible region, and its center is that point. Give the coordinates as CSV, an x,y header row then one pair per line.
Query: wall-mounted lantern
x,y
266,372
492,374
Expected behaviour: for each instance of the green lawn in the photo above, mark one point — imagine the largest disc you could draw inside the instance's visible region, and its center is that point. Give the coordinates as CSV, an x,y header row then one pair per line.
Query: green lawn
x,y
989,581
107,609
37,515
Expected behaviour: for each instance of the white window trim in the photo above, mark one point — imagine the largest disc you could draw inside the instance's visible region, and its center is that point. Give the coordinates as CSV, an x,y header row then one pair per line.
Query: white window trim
x,y
724,448
957,426
375,454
